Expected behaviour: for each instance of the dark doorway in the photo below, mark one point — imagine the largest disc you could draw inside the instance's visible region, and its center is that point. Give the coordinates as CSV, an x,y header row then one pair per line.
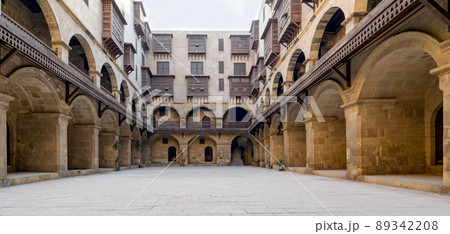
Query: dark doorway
x,y
172,153
439,125
8,146
208,154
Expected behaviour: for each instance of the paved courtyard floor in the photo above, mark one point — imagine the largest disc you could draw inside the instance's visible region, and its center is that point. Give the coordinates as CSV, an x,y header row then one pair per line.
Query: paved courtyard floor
x,y
214,191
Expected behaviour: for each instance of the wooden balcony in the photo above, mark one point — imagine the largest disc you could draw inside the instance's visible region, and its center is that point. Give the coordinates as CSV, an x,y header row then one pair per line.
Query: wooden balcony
x,y
145,39
240,86
289,15
197,44
113,28
261,69
271,45
162,85
162,43
254,37
139,15
240,44
128,61
254,79
146,76
198,86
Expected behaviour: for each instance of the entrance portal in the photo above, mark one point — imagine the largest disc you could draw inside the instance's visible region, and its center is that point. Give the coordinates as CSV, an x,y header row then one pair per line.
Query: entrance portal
x,y
172,153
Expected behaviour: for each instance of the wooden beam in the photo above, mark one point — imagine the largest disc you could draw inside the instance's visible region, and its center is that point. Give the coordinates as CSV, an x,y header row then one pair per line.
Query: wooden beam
x,y
345,77
8,57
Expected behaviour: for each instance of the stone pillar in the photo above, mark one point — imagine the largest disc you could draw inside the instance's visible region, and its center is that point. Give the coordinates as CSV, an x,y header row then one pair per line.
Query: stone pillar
x,y
443,73
295,146
223,153
107,153
287,84
276,148
266,149
125,150
4,104
309,63
351,21
96,77
83,147
353,138
219,122
145,154
325,144
135,153
62,50
183,122
116,93
184,157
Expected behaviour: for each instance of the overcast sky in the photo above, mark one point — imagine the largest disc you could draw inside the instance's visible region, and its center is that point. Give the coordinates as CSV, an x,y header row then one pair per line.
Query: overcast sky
x,y
201,14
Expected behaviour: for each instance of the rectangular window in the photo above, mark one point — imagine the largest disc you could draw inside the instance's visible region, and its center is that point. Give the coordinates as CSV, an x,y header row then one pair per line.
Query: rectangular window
x,y
162,43
144,64
163,68
221,67
239,69
202,141
197,68
221,85
165,141
162,112
221,46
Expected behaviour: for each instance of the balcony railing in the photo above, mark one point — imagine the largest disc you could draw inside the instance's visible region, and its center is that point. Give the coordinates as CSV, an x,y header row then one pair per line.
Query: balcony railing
x,y
202,124
227,124
166,124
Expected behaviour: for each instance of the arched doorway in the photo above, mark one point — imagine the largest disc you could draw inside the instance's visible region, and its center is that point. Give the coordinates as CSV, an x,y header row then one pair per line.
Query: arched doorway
x,y
172,152
241,151
208,154
201,117
299,68
439,124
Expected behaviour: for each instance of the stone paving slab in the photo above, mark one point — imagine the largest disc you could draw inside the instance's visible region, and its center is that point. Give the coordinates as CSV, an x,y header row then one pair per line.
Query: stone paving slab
x,y
215,191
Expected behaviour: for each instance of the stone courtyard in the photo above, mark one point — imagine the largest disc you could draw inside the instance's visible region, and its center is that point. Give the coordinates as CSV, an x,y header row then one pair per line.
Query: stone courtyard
x,y
214,191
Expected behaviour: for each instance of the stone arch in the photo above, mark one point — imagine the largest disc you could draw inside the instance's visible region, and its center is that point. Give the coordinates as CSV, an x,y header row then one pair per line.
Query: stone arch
x,y
411,39
296,67
334,14
108,136
165,117
82,135
108,79
34,118
398,92
161,143
275,125
267,97
327,137
237,117
81,52
277,86
196,150
195,117
23,84
135,103
51,30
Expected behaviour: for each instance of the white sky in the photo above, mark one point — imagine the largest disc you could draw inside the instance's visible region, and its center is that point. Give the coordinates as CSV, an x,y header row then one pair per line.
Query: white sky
x,y
215,15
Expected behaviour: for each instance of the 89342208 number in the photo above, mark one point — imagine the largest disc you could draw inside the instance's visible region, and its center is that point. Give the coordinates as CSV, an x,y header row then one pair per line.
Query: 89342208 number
x,y
407,225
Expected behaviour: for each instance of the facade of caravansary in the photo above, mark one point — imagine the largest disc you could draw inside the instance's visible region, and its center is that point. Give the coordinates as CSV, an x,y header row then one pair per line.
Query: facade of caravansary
x,y
356,86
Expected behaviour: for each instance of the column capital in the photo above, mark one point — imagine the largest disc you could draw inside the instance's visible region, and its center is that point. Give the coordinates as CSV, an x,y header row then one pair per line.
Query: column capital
x,y
4,101
440,71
